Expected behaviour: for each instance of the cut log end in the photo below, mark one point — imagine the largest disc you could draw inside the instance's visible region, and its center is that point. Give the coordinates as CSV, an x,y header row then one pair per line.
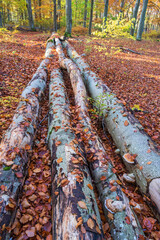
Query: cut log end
x,y
154,191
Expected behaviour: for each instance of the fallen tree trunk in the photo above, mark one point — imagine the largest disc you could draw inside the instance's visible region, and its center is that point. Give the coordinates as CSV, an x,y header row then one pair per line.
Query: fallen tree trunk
x,y
115,203
75,212
127,133
17,143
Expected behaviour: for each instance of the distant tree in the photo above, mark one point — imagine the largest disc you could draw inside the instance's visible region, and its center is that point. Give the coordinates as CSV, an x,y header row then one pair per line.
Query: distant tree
x,y
30,16
91,17
135,12
105,11
68,17
122,8
1,12
55,16
59,13
142,19
39,5
85,13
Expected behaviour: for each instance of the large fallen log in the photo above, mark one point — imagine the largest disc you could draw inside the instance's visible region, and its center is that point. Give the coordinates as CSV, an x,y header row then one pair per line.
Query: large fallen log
x,y
115,203
138,151
17,143
75,212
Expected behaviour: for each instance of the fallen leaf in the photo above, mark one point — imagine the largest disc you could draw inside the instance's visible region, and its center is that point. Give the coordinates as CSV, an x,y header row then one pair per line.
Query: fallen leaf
x,y
64,182
126,123
31,232
58,143
90,186
90,223
102,178
59,160
149,162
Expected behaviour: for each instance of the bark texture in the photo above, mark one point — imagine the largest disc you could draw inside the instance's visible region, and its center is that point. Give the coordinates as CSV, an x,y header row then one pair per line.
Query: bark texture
x,y
68,17
75,212
91,17
135,12
17,143
85,13
30,16
105,11
100,167
127,133
142,19
55,16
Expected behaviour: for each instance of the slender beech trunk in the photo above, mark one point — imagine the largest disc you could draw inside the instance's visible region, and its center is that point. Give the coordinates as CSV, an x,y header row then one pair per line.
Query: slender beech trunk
x,y
121,9
39,4
30,16
85,13
59,13
105,11
91,17
135,12
17,143
142,19
1,12
74,209
68,17
55,16
101,168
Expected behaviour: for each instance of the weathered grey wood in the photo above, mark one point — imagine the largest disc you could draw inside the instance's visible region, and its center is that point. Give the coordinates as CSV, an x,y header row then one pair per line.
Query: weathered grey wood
x,y
16,143
66,208
100,168
129,139
142,19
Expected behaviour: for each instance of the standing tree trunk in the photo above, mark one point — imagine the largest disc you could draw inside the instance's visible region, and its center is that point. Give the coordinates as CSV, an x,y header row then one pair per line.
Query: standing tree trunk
x,y
142,19
39,4
85,13
30,16
59,13
105,11
55,16
135,12
68,18
1,11
91,16
121,10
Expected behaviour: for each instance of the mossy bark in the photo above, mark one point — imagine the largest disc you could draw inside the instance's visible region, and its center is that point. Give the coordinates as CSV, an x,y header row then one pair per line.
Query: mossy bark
x,y
75,212
126,131
100,166
17,143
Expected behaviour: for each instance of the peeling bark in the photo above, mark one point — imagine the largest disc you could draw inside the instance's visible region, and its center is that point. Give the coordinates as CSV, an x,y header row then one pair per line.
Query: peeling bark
x,y
73,202
101,169
129,139
16,145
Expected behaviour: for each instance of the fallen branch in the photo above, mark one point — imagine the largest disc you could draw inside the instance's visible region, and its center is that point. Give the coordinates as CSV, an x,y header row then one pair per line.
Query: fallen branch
x,y
16,145
136,148
105,180
74,209
129,50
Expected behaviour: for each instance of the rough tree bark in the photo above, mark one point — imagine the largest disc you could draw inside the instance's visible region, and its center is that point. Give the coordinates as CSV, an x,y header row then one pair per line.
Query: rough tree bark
x,y
101,170
59,13
91,17
1,14
85,13
142,19
68,17
135,12
17,143
30,16
127,133
74,209
55,16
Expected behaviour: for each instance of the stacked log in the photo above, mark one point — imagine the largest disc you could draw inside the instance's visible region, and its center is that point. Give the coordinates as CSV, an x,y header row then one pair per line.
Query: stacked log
x,y
17,143
115,203
75,212
138,151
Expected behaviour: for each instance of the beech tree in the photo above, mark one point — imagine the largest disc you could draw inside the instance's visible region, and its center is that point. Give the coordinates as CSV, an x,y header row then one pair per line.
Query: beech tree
x,y
135,12
55,17
105,11
85,13
1,14
68,17
91,16
142,19
30,16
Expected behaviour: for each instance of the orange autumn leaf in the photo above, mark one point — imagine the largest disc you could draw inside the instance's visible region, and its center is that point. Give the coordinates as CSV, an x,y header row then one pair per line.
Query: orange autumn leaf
x,y
90,186
58,143
149,162
59,160
103,178
126,123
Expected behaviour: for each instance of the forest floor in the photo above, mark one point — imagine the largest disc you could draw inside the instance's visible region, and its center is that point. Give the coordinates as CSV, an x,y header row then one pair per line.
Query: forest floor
x,y
134,78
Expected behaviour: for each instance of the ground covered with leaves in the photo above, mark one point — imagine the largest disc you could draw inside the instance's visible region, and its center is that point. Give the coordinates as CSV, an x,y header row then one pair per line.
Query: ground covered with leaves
x,y
133,77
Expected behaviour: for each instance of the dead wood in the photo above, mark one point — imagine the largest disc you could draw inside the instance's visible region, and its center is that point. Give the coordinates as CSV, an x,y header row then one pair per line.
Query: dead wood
x,y
101,169
75,212
138,151
17,143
